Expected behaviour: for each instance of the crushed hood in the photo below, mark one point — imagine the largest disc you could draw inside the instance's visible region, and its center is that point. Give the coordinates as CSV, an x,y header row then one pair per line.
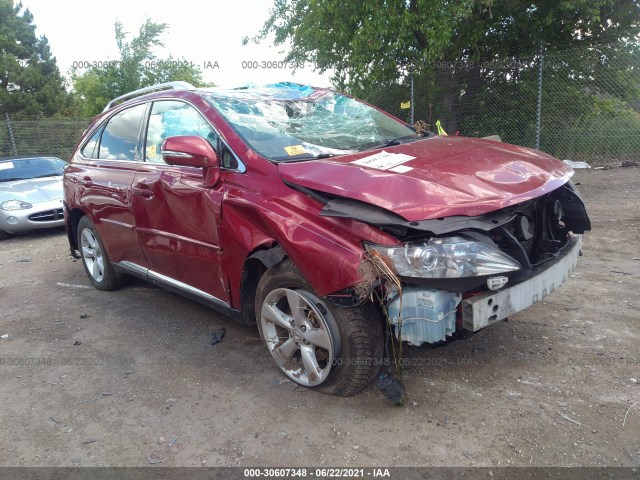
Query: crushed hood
x,y
435,177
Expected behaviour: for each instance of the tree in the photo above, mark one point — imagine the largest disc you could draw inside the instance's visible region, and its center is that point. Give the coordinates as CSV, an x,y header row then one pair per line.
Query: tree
x,y
30,82
370,41
136,67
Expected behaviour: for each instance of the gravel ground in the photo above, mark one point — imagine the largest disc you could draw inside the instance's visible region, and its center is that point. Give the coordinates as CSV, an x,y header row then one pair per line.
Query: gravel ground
x,y
128,378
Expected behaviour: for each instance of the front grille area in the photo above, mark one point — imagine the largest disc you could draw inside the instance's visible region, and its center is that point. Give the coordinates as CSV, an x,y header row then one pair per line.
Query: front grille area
x,y
539,229
48,216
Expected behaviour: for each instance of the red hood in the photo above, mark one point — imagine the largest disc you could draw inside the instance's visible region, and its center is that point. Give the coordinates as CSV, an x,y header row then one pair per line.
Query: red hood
x,y
448,176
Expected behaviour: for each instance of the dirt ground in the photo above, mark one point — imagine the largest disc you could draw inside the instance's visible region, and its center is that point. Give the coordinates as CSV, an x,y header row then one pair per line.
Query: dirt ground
x,y
128,378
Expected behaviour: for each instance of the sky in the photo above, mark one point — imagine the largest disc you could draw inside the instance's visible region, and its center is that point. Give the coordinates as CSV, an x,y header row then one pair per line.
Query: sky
x,y
208,35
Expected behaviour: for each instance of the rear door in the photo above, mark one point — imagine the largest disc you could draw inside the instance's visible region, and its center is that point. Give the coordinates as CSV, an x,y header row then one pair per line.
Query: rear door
x,y
109,160
176,217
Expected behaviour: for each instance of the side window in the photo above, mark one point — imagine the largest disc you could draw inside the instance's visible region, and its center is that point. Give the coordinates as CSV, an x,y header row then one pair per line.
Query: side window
x,y
90,150
170,118
120,137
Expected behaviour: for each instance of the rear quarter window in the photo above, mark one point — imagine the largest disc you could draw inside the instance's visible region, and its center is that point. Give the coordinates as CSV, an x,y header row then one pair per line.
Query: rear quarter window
x,y
119,139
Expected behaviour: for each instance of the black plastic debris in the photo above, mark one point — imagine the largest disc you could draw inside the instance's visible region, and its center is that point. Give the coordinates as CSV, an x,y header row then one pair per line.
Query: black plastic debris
x,y
390,387
218,335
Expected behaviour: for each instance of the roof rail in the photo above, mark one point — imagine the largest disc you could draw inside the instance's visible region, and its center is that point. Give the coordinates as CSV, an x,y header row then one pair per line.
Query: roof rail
x,y
152,88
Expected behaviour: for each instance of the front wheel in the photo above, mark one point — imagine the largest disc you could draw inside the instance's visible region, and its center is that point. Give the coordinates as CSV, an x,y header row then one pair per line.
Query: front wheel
x,y
94,257
317,344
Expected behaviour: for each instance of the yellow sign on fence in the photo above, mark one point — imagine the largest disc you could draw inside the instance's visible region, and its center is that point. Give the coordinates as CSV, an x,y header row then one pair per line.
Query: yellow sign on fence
x,y
405,105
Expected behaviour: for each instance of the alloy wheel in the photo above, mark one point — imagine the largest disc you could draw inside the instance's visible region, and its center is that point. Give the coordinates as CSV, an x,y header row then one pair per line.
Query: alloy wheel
x,y
92,255
301,334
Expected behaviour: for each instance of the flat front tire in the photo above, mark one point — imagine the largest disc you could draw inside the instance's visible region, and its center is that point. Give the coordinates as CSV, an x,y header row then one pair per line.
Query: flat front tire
x,y
315,343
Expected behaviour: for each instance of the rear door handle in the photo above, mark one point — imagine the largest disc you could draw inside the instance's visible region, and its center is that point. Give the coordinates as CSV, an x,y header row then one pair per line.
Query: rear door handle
x,y
86,182
143,190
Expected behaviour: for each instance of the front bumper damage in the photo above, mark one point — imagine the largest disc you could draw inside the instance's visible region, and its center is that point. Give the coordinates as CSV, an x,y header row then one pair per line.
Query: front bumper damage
x,y
489,307
542,234
428,315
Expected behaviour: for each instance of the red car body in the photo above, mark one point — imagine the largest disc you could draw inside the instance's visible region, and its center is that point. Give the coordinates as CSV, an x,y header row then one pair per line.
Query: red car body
x,y
206,236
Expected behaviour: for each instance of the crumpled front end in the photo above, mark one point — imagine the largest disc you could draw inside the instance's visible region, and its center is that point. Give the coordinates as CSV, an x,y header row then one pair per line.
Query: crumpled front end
x,y
469,272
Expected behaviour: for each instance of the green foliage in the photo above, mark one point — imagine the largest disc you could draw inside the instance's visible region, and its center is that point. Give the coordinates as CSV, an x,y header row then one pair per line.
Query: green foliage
x,y
137,67
368,42
30,83
364,41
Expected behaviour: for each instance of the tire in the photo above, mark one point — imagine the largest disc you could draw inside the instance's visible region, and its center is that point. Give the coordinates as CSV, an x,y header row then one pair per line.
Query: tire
x,y
4,235
332,349
94,257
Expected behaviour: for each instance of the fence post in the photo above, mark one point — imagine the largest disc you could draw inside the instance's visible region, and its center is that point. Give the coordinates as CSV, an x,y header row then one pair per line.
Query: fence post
x,y
412,97
539,109
11,137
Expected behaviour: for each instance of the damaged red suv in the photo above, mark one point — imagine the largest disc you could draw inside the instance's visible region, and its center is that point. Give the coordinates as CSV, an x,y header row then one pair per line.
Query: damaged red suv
x,y
322,220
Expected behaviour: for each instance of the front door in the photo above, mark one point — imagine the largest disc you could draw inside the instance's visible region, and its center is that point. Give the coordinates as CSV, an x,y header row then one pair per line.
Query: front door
x,y
176,217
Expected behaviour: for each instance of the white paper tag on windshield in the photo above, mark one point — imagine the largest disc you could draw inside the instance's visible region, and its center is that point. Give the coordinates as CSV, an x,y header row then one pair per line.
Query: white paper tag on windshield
x,y
6,165
383,160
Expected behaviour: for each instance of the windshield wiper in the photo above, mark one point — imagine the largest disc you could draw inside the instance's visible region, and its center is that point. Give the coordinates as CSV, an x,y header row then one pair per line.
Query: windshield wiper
x,y
392,142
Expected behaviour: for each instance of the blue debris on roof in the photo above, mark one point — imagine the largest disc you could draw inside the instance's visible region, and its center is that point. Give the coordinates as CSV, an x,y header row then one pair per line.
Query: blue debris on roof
x,y
276,91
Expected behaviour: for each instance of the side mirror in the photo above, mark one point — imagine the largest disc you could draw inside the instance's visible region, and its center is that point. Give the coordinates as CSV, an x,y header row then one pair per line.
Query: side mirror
x,y
192,151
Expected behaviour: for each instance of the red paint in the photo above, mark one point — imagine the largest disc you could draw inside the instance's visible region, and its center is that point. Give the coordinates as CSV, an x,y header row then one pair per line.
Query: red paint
x,y
196,152
171,219
450,176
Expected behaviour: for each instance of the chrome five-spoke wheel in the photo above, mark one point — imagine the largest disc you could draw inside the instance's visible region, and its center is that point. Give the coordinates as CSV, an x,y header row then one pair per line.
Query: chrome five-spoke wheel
x,y
316,343
300,333
92,255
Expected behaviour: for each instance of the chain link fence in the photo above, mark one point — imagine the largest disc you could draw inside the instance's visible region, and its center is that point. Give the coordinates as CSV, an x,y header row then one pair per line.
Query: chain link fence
x,y
55,136
581,104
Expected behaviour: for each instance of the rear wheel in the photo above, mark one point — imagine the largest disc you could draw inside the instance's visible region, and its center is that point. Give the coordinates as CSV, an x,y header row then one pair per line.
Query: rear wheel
x,y
94,257
317,344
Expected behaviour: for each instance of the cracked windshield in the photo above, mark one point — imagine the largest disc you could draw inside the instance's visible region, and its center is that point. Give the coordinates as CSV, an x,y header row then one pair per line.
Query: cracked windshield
x,y
290,123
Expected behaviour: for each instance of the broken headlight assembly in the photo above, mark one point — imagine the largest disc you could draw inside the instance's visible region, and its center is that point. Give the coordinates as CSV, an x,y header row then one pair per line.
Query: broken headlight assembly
x,y
445,258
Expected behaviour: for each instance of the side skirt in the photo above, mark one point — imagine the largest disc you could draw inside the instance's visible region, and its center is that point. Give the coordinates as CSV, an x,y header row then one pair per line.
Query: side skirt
x,y
179,288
